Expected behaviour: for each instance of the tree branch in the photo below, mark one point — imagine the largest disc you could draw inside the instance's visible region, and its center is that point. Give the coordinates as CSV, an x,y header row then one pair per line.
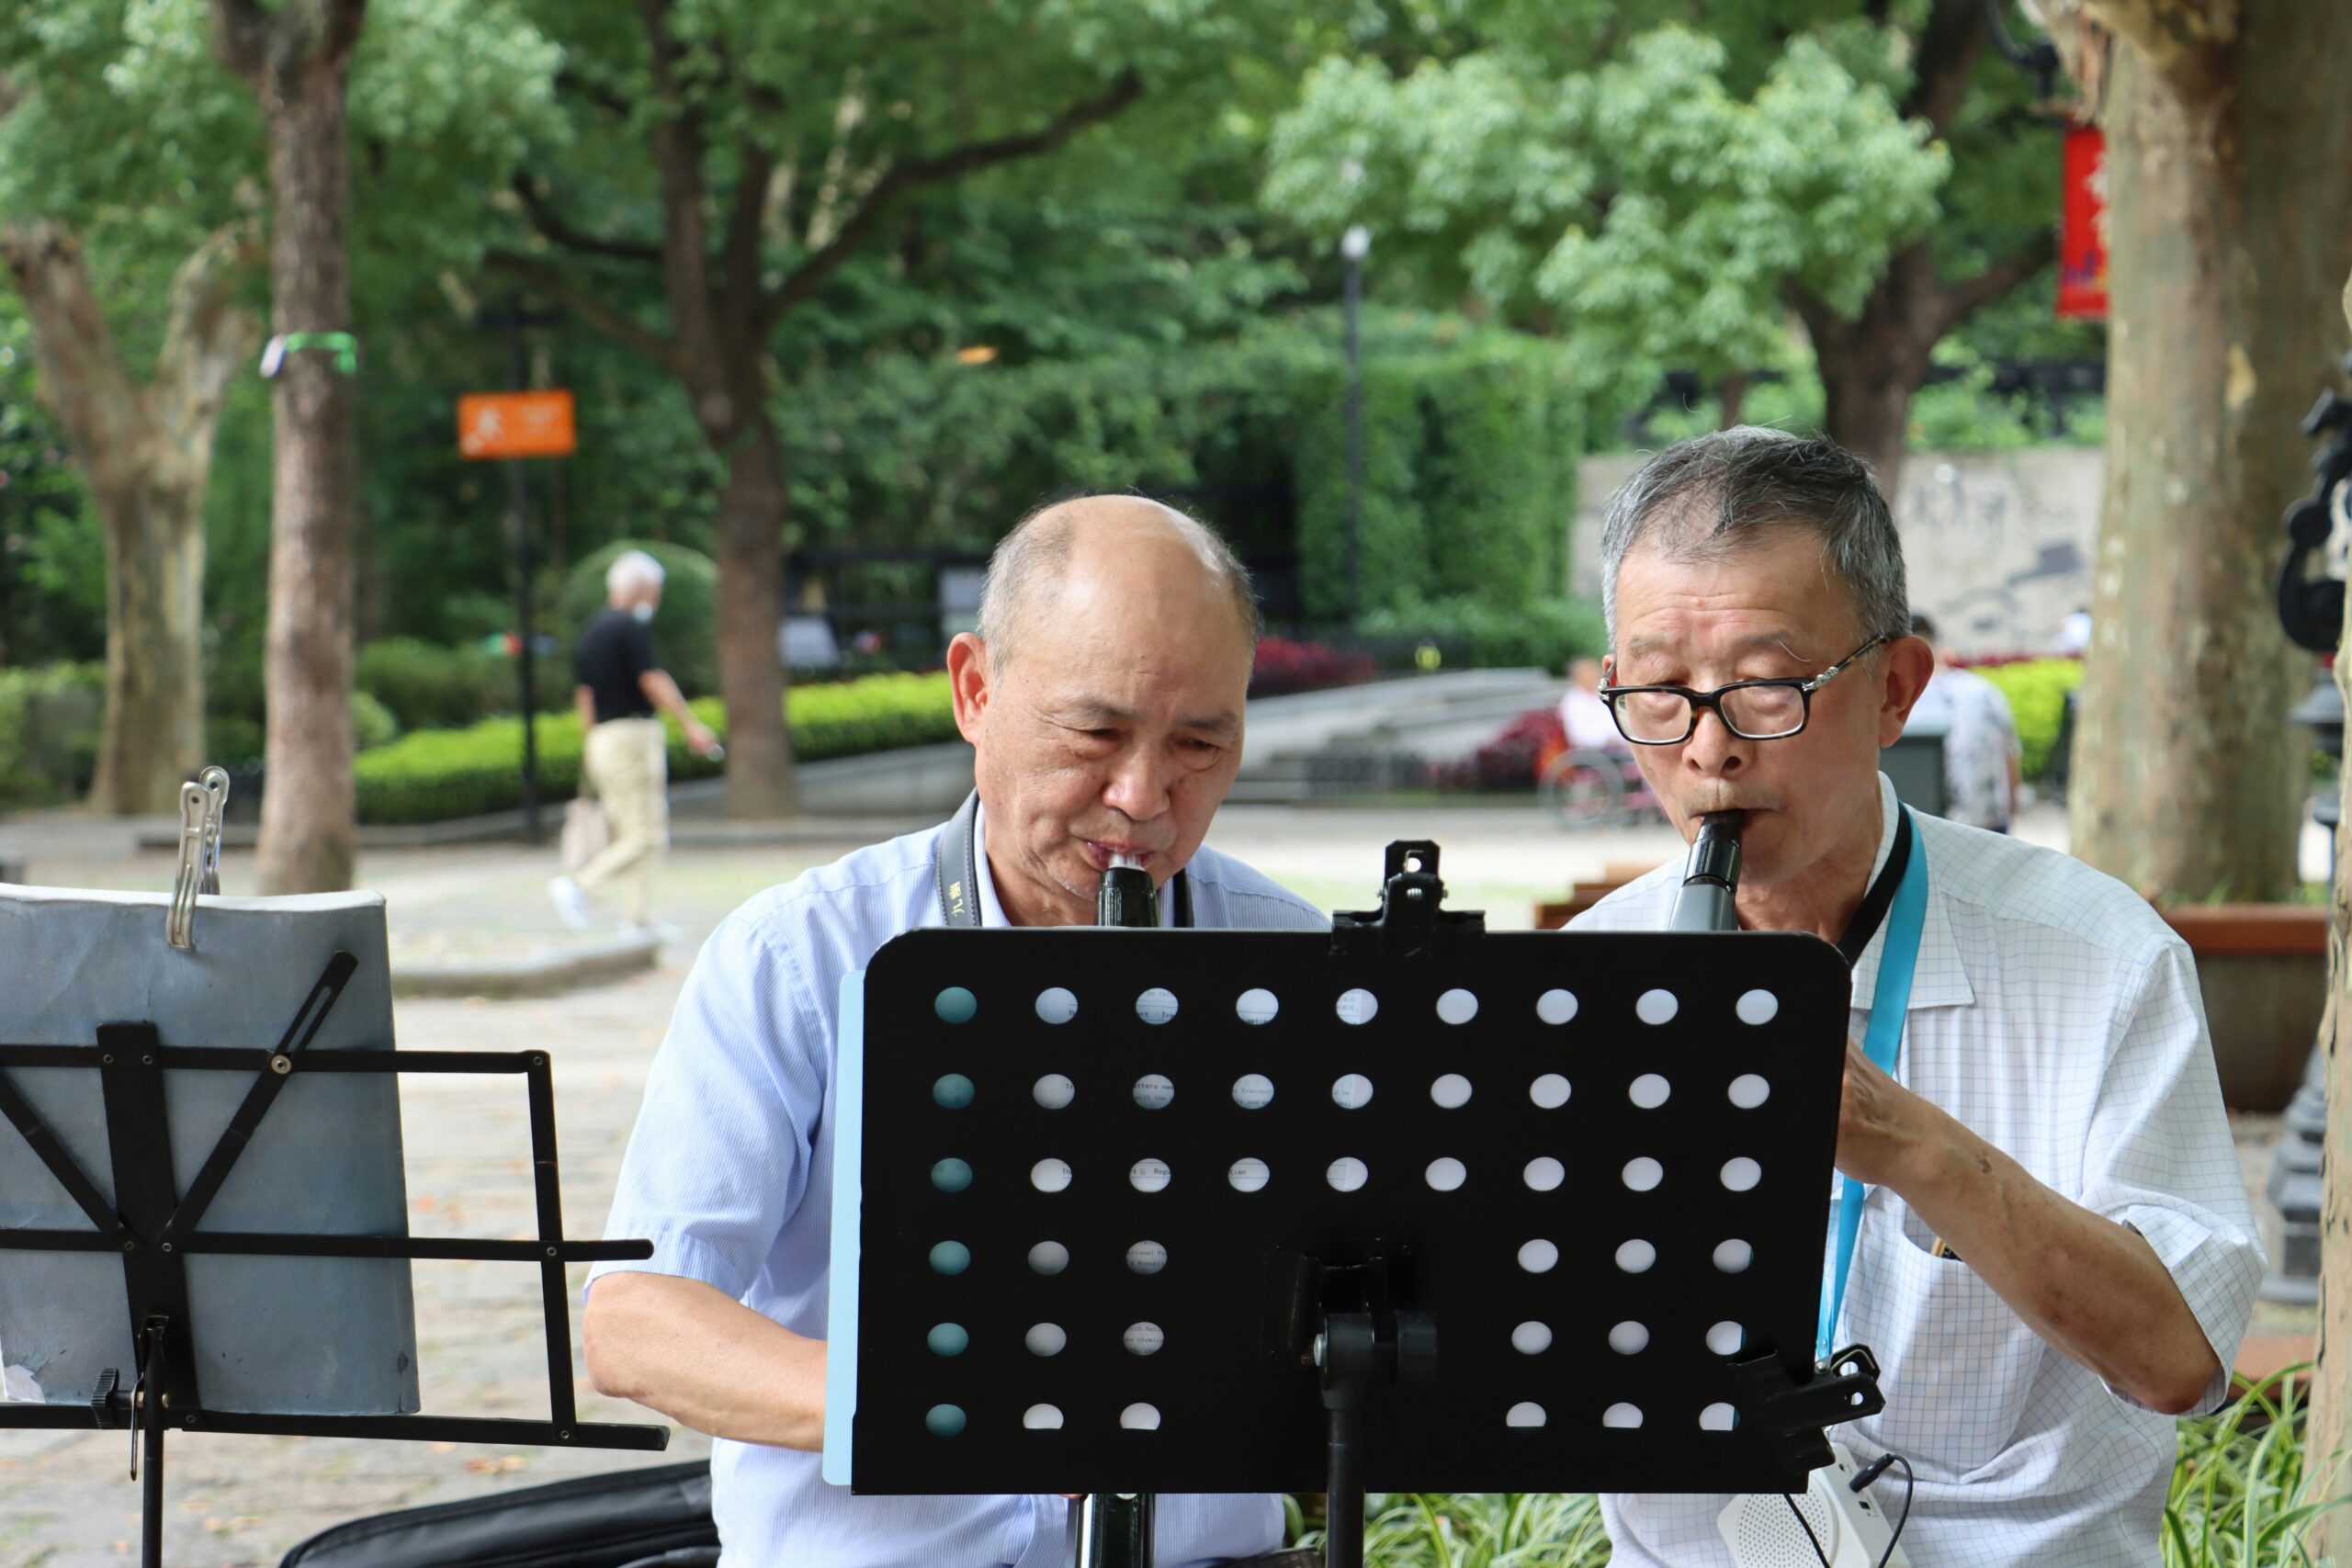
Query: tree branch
x,y
596,93
1943,60
553,228
812,274
2181,39
343,19
207,338
241,37
82,377
1962,300
588,307
739,260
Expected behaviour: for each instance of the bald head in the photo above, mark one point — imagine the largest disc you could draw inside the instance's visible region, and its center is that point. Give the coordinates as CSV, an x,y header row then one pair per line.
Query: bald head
x,y
1122,543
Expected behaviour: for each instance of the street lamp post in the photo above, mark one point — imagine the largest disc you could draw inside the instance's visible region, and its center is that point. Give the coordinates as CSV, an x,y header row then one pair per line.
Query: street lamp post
x,y
1353,246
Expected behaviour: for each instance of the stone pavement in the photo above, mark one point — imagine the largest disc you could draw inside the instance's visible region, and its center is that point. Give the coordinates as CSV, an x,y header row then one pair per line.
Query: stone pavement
x,y
65,1499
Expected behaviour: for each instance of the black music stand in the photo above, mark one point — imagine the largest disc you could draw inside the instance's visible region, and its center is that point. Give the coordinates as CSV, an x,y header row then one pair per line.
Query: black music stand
x,y
1406,1207
137,1209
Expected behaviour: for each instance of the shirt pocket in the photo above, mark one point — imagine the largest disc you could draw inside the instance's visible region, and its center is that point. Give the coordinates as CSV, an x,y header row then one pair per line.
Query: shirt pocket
x,y
1956,1365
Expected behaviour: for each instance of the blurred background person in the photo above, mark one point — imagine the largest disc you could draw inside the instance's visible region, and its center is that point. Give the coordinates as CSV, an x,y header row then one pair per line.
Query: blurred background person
x,y
1584,715
621,690
1981,750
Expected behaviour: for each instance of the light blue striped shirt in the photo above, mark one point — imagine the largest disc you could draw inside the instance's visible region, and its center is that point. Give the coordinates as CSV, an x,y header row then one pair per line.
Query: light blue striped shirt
x,y
2054,1014
729,1174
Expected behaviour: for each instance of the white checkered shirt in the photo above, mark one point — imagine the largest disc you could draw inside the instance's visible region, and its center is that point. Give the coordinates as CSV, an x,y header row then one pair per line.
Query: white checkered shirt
x,y
2058,1017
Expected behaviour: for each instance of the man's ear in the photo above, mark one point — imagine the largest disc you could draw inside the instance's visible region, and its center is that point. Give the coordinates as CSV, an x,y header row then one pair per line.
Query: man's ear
x,y
1909,662
967,681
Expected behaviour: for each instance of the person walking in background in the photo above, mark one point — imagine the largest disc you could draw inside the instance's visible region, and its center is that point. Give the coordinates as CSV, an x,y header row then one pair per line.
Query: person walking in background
x,y
626,759
1981,750
1585,716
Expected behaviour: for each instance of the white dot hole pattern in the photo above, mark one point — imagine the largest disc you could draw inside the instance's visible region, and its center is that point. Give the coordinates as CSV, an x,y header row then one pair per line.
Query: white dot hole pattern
x,y
1057,1004
1656,1006
1446,1175
1649,1091
1757,1006
1532,1338
1741,1175
1254,1091
1054,1091
1140,1419
1147,1258
1048,1257
1249,1173
1149,1175
1644,1174
1256,1005
1525,1414
1358,1006
1155,1005
1457,1006
1717,1419
1450,1092
1749,1091
1046,1339
1545,1174
1629,1338
1549,1092
1539,1257
1050,1175
1556,1006
1622,1415
1042,1419
1637,1257
1732,1256
1153,1091
1348,1175
1351,1091
1726,1338
1143,1338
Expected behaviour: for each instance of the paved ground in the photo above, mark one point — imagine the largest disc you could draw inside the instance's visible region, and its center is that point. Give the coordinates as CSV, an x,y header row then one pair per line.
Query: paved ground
x,y
66,1501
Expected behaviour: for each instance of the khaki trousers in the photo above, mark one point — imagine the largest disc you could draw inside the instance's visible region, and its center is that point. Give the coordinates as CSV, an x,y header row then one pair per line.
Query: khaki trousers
x,y
627,766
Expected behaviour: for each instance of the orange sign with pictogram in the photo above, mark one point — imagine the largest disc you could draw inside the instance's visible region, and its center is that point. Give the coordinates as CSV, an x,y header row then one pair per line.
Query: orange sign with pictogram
x,y
515,424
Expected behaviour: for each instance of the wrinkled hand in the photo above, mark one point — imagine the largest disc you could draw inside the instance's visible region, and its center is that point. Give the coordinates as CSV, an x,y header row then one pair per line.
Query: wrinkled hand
x,y
1881,1126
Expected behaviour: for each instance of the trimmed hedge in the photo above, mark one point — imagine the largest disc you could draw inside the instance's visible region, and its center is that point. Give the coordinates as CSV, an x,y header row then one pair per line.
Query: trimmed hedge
x,y
434,775
426,686
1544,633
50,718
2037,691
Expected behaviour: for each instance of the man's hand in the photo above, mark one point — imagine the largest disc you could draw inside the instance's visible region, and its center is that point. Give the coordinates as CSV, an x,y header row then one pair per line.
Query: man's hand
x,y
1881,1126
699,736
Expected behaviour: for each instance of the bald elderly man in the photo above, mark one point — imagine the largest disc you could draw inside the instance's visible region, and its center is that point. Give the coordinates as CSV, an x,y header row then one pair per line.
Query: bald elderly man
x,y
1102,696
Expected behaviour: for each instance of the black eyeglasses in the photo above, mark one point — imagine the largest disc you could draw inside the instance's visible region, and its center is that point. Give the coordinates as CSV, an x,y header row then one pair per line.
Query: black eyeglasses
x,y
1753,710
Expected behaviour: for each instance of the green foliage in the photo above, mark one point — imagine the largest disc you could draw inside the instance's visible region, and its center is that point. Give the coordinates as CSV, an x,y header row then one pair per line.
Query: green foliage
x,y
1545,634
433,774
1481,1529
685,627
48,731
2244,1494
52,562
425,686
372,723
2037,690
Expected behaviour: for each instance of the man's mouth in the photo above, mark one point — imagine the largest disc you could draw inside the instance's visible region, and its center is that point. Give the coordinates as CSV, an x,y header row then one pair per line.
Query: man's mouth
x,y
1099,852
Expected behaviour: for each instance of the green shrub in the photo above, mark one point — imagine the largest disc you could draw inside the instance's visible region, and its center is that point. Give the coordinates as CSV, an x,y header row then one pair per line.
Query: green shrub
x,y
686,628
434,775
2037,691
50,716
425,687
1545,634
372,724
230,738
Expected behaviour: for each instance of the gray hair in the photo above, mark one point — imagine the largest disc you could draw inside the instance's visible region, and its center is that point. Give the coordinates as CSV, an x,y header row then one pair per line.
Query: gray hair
x,y
1031,557
633,568
1710,496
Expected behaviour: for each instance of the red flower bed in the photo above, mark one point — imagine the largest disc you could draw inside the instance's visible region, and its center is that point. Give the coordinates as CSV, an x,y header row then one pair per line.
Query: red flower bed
x,y
1284,667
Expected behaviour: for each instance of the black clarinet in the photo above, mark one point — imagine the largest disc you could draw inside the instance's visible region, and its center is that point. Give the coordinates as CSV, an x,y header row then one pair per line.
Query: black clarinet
x,y
1113,1529
1710,876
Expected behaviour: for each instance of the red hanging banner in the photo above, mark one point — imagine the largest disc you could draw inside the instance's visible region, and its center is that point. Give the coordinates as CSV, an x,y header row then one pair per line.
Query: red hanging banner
x,y
2082,238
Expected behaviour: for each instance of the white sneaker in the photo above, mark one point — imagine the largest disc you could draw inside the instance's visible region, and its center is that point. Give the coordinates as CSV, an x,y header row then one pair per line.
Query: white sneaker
x,y
570,902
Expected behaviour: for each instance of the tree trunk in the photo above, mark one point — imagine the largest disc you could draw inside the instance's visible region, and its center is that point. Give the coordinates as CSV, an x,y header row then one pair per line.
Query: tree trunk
x,y
147,455
1867,380
2228,247
309,828
760,774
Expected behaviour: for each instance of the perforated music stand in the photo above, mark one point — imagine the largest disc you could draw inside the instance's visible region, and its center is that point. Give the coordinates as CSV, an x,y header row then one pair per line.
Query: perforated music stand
x,y
97,1173
1579,1247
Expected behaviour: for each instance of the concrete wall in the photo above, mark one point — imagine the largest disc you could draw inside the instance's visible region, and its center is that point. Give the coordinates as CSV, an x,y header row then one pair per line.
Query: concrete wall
x,y
1999,545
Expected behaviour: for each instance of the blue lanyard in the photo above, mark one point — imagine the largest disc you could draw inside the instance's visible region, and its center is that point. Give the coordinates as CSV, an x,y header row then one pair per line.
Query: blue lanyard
x,y
1882,1043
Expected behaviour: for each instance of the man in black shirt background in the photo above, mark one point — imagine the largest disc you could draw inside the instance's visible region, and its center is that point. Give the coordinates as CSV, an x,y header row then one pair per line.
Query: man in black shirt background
x,y
626,759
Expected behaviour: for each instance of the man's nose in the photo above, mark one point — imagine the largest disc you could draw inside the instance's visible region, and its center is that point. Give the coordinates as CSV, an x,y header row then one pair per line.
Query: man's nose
x,y
1139,785
1713,748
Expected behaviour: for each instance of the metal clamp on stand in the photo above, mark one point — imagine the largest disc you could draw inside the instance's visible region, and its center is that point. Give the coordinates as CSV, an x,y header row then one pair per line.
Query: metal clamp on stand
x,y
202,804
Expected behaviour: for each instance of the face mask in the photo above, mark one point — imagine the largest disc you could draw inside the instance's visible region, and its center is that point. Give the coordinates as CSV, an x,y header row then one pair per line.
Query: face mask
x,y
643,612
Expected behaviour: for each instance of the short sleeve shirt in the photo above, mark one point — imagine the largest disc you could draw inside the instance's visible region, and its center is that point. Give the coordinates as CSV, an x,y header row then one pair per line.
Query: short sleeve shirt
x,y
729,1173
614,653
1980,740
2054,1013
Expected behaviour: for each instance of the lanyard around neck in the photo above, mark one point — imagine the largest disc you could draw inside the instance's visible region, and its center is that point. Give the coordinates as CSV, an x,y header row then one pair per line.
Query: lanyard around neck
x,y
1905,915
956,863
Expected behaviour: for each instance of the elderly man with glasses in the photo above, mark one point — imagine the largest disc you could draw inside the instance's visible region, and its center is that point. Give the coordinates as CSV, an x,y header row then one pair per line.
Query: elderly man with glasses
x,y
2055,1255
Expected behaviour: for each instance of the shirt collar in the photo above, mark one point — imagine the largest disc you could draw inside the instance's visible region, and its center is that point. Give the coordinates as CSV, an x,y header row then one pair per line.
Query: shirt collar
x,y
1938,979
991,911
